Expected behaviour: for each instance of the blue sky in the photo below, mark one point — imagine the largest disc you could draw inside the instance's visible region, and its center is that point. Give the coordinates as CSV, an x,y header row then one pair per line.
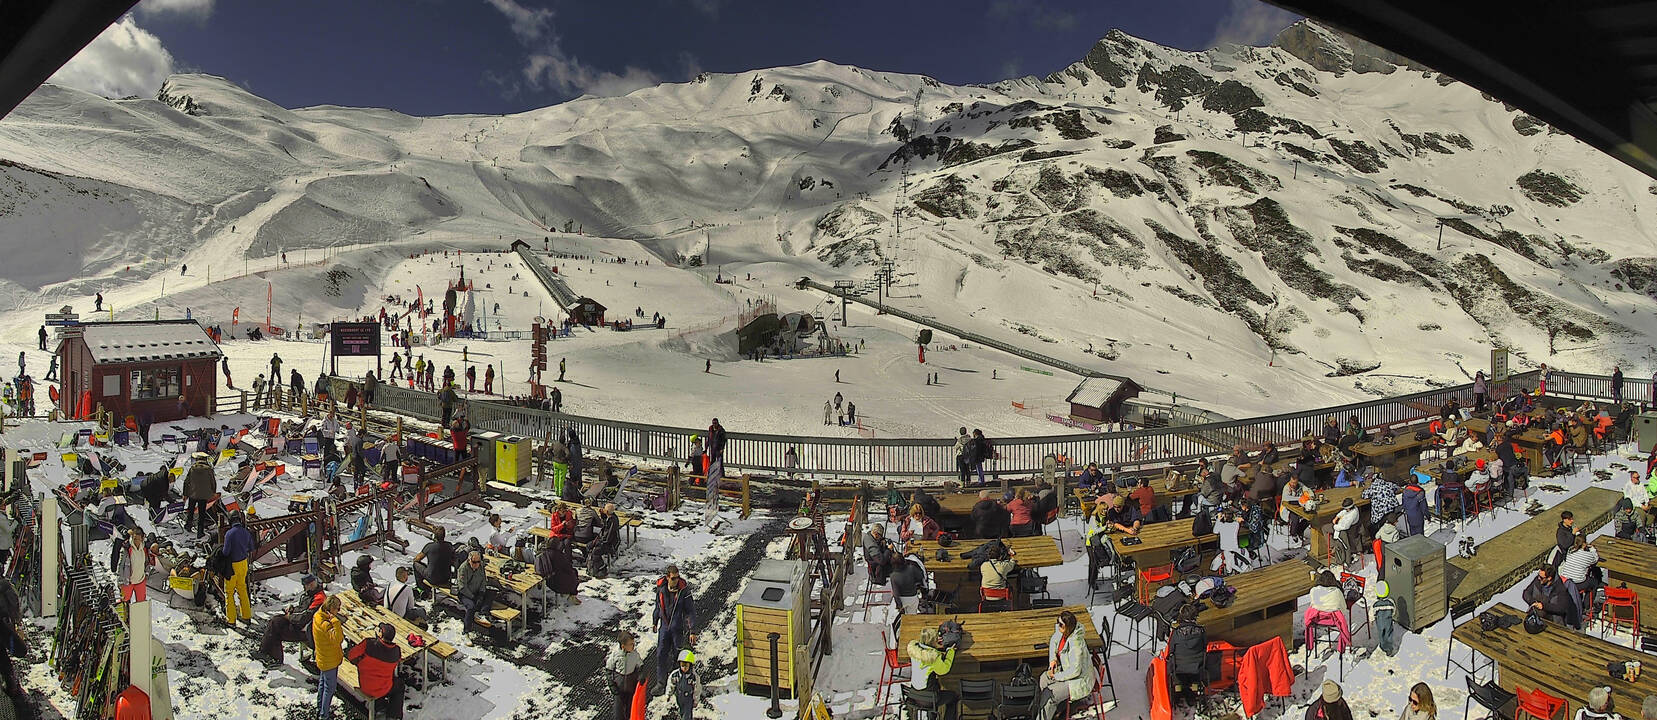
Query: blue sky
x,y
428,57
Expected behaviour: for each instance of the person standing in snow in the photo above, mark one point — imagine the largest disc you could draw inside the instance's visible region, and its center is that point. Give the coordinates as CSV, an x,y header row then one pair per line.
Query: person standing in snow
x,y
828,412
1481,390
275,368
684,685
98,303
258,388
673,619
622,670
851,413
296,383
328,635
1616,384
979,451
471,378
200,485
963,468
838,400
489,379
707,365
790,461
43,337
561,368
224,364
396,365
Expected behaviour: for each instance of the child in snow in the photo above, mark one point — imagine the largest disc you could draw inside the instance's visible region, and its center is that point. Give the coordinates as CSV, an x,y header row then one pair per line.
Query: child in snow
x,y
685,684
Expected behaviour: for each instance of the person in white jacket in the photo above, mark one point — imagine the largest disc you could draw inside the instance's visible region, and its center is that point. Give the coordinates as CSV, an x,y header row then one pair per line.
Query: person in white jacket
x,y
1070,674
1346,528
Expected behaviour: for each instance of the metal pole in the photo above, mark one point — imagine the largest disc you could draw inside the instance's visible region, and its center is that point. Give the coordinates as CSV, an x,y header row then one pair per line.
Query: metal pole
x,y
1441,234
775,711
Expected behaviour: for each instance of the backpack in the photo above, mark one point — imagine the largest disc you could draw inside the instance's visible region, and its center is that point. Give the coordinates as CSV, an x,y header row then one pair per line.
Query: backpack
x,y
1202,524
1353,589
1186,560
950,633
1022,676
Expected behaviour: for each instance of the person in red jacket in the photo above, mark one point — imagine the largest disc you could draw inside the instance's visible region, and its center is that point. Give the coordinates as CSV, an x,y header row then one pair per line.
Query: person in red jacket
x,y
561,523
376,659
458,429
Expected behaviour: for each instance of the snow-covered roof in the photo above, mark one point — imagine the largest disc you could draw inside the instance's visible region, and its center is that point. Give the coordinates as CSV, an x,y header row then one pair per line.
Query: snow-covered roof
x,y
1094,392
130,342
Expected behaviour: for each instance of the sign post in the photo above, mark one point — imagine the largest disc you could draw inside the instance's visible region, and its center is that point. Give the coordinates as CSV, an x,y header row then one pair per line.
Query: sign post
x,y
1498,365
354,339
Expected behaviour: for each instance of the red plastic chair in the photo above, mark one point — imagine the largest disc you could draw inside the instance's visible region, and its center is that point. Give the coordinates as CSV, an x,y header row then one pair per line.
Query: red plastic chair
x,y
1622,608
892,671
1537,704
1152,574
994,595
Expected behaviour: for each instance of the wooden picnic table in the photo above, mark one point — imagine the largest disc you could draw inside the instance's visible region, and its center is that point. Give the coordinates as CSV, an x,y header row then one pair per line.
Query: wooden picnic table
x,y
1002,636
1560,661
1032,552
1633,564
1162,494
1158,541
1325,514
1435,468
361,621
522,583
1264,606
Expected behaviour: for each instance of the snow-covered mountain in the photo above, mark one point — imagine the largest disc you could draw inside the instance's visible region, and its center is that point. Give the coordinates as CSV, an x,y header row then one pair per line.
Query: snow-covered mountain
x,y
1168,212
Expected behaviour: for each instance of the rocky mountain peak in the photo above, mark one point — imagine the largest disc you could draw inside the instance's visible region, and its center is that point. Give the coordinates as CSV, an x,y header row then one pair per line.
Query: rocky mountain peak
x,y
1331,50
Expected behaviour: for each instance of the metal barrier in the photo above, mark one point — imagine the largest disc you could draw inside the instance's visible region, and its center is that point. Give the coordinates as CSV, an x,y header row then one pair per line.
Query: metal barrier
x,y
879,457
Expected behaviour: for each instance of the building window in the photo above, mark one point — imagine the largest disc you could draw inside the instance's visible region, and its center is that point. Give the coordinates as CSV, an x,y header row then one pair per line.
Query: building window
x,y
156,383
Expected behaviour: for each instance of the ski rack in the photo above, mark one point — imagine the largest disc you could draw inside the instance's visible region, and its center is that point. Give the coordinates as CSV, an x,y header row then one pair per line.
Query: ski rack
x,y
324,515
89,645
24,567
464,472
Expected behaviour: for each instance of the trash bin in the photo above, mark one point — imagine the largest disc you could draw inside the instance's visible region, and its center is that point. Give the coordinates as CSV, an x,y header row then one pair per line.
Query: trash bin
x,y
483,444
512,459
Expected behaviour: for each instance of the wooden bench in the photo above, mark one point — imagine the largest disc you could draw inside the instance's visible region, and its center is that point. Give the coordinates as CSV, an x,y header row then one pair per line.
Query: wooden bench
x,y
502,612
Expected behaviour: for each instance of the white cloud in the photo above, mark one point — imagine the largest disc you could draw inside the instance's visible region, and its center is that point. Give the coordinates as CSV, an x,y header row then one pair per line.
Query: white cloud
x,y
529,24
199,9
123,60
571,76
1251,22
1039,16
549,66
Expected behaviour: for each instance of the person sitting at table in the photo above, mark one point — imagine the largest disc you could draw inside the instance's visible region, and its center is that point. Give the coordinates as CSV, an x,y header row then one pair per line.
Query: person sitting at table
x,y
1635,491
560,522
1145,497
1292,492
908,583
377,659
501,540
1598,706
1070,674
1580,572
927,661
1347,533
1123,517
1235,465
363,581
1496,475
555,562
996,571
1327,606
1212,490
1627,520
294,624
399,599
928,503
1270,455
989,519
1547,595
1329,705
473,591
918,525
1262,483
1306,468
1020,509
606,538
434,565
1188,654
878,553
1451,489
1331,431
1467,442
1091,477
1553,449
1564,538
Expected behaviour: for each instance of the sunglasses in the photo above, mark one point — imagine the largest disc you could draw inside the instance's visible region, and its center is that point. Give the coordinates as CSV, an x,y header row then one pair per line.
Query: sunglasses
x,y
1414,701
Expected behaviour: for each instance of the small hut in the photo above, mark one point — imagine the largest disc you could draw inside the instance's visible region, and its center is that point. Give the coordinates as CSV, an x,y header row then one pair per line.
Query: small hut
x,y
1099,399
168,368
586,311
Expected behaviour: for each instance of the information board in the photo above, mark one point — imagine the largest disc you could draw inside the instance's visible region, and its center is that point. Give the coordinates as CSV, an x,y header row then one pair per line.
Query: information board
x,y
1498,365
355,339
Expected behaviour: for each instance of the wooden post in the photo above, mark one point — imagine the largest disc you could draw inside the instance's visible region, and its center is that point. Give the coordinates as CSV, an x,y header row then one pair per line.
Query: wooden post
x,y
364,418
673,496
745,498
242,408
546,457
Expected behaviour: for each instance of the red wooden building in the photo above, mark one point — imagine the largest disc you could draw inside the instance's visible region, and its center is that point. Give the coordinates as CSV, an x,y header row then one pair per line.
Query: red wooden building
x,y
134,367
